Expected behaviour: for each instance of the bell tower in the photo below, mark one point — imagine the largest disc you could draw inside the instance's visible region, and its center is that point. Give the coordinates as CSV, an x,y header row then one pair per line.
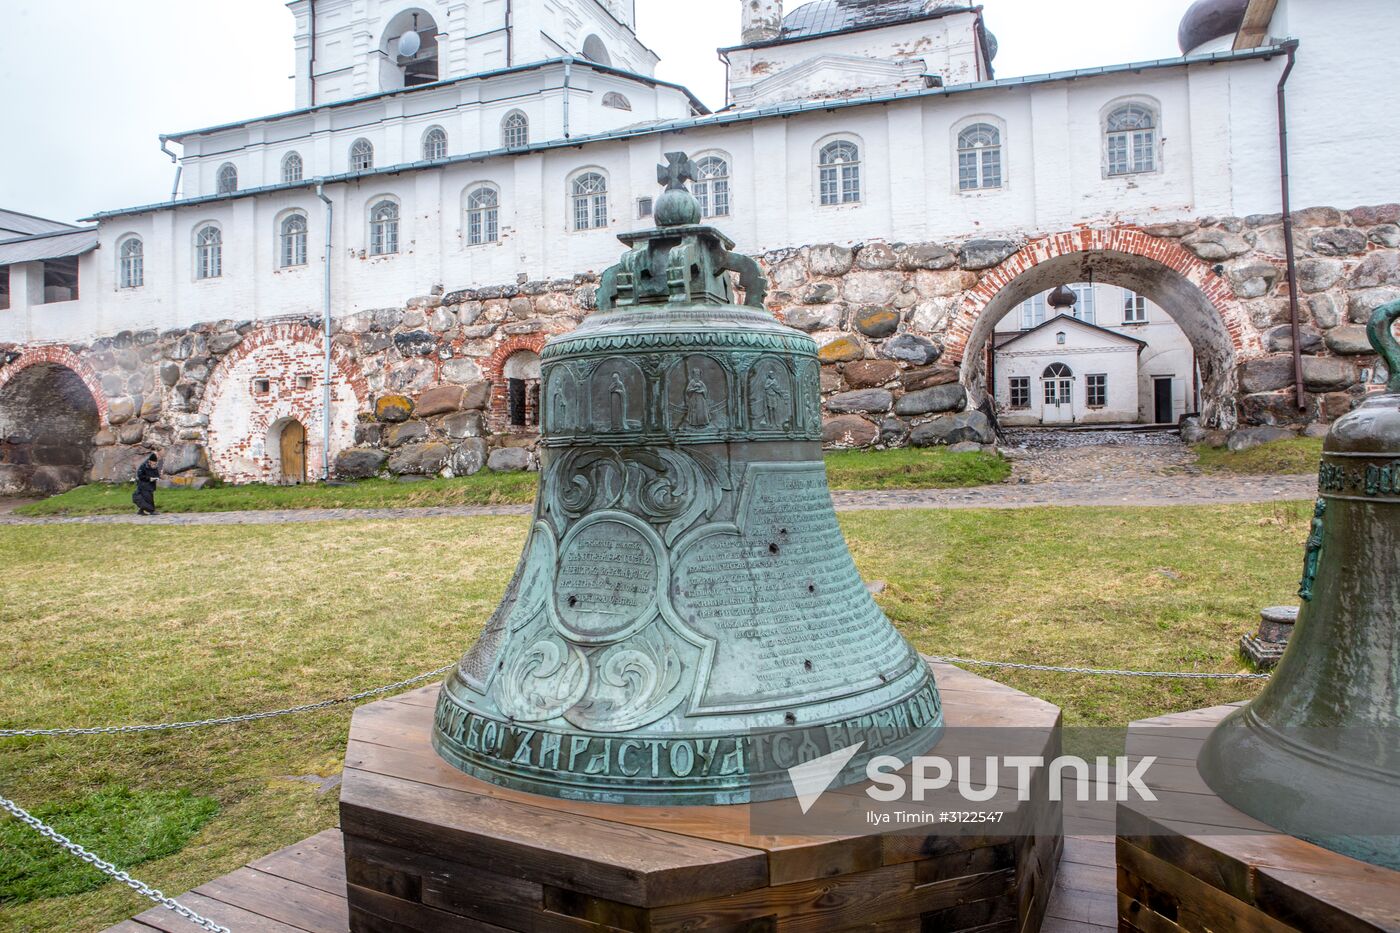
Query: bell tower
x,y
762,20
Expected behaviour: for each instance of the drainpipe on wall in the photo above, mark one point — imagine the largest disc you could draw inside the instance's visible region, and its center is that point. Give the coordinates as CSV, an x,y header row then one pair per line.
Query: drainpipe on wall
x,y
311,59
326,340
568,74
175,188
510,33
1299,397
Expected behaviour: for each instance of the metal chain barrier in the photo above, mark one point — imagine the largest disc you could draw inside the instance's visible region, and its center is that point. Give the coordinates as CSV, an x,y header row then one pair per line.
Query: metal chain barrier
x,y
245,717
1184,675
107,868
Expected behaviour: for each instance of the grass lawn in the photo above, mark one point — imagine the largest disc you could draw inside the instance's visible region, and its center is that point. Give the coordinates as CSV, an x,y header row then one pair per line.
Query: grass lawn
x,y
850,469
1292,455
131,623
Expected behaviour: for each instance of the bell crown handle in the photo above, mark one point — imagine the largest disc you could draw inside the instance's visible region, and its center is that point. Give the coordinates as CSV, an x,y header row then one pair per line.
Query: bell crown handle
x,y
1382,337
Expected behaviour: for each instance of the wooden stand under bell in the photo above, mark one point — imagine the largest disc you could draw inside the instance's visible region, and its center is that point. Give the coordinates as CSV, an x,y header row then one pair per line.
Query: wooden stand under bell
x,y
430,848
1192,862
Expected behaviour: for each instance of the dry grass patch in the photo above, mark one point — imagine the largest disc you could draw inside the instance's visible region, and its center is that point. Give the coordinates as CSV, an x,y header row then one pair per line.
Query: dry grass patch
x,y
121,624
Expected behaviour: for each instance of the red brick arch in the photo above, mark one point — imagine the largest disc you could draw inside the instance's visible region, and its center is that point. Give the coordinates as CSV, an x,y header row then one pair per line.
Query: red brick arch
x,y
1123,239
494,371
59,356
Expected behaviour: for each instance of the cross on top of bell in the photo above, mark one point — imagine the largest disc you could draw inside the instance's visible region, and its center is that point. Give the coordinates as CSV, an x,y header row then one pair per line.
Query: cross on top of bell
x,y
679,169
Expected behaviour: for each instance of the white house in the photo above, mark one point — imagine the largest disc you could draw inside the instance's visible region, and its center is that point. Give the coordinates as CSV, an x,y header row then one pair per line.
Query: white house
x,y
1113,358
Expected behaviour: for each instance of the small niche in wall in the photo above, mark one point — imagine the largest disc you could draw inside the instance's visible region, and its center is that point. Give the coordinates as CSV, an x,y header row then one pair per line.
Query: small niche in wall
x,y
262,385
305,382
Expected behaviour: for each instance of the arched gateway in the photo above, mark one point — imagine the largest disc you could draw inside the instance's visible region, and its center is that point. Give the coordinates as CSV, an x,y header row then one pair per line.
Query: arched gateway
x,y
1199,300
51,409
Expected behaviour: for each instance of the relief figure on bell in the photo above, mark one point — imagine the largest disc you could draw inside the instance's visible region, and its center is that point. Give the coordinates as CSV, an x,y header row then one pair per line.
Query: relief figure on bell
x,y
616,392
697,394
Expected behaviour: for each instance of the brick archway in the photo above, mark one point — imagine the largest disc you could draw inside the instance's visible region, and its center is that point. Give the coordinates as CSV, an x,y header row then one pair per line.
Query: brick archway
x,y
494,371
58,356
1201,302
275,375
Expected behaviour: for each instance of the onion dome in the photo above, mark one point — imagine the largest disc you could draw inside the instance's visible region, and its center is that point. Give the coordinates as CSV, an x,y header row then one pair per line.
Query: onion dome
x,y
1207,20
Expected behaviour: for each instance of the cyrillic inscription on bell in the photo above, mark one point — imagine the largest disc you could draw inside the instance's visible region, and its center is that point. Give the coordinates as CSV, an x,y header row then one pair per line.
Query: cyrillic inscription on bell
x,y
686,622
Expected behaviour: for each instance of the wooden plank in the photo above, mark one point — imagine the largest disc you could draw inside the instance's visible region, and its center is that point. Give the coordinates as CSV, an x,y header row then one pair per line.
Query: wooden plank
x,y
626,863
394,742
453,887
317,862
380,913
1090,850
235,918
1187,900
131,926
298,906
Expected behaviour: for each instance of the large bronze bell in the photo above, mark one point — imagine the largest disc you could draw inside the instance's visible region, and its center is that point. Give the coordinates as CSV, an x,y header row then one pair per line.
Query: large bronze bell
x,y
686,622
1317,753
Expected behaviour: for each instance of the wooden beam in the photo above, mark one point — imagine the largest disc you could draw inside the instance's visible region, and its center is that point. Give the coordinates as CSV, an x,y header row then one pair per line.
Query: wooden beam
x,y
1254,31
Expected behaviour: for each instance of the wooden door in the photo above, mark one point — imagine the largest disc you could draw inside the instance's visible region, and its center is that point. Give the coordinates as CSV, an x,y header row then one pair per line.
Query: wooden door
x,y
293,443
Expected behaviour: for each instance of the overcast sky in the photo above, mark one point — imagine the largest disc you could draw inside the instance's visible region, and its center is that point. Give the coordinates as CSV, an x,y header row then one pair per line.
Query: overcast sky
x,y
90,84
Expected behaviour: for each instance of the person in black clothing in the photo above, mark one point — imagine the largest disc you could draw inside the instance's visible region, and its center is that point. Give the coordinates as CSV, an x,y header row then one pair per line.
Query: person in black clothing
x,y
145,495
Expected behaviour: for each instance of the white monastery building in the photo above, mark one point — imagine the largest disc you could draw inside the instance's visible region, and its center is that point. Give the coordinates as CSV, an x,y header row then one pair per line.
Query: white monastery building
x,y
453,177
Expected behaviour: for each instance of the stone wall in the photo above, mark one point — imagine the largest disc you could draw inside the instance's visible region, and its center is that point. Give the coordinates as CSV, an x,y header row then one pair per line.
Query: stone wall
x,y
418,389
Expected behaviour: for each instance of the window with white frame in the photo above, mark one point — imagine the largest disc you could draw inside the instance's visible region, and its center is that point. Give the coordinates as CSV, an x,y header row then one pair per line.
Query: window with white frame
x,y
227,178
1132,140
1033,311
979,157
292,240
291,168
616,101
361,155
1134,307
1096,389
1020,391
838,166
1084,305
515,130
483,215
384,228
644,207
208,252
131,263
589,193
712,187
434,144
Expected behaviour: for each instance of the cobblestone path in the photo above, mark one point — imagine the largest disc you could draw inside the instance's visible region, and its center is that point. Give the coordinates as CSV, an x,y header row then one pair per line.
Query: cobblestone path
x,y
1175,490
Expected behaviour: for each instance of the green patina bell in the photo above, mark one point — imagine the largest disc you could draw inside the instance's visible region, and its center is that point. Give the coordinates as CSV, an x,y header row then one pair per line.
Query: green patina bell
x,y
1317,753
686,622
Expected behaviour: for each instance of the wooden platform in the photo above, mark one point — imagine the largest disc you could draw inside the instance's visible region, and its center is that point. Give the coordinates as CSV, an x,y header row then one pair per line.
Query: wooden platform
x,y
304,887
1192,862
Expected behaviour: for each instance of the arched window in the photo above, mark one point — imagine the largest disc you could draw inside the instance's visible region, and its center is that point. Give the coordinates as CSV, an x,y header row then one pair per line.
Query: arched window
x,y
384,228
208,252
1056,371
522,375
435,144
361,155
616,101
227,179
839,170
712,187
292,240
589,193
515,130
979,157
1131,140
595,51
483,219
291,168
131,263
